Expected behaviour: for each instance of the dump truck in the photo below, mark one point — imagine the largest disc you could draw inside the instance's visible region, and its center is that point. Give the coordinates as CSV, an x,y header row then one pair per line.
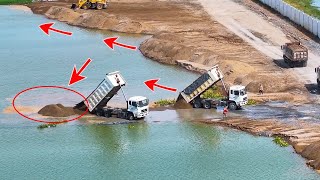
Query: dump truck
x,y
137,106
317,71
295,54
236,95
90,4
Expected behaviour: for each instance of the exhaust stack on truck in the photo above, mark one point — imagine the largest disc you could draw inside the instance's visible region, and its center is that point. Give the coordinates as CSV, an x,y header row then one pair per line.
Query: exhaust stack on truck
x,y
237,95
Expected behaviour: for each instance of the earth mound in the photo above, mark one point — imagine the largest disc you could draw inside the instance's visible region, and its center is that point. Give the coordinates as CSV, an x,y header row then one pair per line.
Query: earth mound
x,y
312,152
58,110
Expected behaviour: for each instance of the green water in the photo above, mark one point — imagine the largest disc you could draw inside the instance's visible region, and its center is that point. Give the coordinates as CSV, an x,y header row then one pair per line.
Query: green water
x,y
166,146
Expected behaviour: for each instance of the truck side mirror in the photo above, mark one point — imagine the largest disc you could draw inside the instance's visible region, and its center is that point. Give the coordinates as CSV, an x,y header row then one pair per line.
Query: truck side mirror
x,y
315,70
281,47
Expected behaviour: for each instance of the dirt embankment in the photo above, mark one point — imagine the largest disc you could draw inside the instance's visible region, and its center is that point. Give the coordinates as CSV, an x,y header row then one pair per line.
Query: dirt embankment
x,y
305,137
183,34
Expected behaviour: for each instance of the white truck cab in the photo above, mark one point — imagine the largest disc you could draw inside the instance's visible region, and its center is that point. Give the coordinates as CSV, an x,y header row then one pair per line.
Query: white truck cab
x,y
138,106
237,96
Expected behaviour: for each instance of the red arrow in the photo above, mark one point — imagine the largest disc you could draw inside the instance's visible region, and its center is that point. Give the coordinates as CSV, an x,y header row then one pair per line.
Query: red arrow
x,y
75,76
111,41
152,83
46,27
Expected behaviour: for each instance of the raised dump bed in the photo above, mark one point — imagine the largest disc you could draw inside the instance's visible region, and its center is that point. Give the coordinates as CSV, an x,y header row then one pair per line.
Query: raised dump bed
x,y
203,83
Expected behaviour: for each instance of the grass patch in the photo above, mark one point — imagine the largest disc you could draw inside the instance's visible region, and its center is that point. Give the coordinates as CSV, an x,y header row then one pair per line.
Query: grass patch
x,y
7,2
165,102
305,6
251,102
280,141
213,93
42,126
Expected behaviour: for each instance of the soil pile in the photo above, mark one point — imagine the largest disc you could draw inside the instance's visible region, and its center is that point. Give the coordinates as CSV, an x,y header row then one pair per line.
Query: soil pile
x,y
58,110
181,104
312,152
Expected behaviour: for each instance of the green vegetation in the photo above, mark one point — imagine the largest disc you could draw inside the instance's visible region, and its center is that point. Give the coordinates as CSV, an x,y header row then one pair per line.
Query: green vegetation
x,y
42,126
165,102
213,92
305,6
251,102
280,141
7,2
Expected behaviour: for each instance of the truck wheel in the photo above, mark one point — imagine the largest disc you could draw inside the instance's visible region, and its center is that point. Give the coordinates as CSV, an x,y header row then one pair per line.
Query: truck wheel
x,y
207,105
197,104
99,6
291,64
130,116
99,113
318,82
232,106
105,6
304,64
85,6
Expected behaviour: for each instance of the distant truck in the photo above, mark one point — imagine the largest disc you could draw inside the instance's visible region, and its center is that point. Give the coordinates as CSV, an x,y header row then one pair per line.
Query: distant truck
x,y
295,54
317,71
237,95
137,106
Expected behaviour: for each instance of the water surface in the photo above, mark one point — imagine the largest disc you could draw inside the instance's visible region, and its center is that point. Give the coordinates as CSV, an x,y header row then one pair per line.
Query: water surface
x,y
166,146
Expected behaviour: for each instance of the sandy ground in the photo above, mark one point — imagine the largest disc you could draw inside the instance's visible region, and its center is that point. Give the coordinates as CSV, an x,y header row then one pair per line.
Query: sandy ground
x,y
258,32
20,7
183,34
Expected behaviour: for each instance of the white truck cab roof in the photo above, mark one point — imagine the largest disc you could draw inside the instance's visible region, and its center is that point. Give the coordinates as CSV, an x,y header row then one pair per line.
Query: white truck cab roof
x,y
237,87
137,98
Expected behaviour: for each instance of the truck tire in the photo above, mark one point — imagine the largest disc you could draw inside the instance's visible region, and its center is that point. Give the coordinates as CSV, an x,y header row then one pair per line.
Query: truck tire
x,y
105,6
304,64
232,106
196,104
130,116
85,6
99,112
207,105
318,83
99,6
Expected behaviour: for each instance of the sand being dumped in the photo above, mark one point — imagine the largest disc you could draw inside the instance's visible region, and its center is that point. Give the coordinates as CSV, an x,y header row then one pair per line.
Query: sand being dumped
x,y
58,110
181,103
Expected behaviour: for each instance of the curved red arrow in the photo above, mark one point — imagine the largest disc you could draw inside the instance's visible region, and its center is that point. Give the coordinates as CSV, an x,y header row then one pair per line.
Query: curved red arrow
x,y
152,83
46,27
75,76
111,41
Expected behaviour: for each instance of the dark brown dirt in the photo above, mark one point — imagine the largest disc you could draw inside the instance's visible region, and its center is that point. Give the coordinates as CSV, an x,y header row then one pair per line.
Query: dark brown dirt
x,y
181,104
58,110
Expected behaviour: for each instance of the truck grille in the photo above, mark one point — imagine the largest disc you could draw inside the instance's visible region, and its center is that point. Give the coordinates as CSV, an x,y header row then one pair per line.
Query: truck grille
x,y
144,110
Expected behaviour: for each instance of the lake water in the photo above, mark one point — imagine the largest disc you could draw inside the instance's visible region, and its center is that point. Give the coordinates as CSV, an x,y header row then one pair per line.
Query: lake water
x,y
316,3
166,146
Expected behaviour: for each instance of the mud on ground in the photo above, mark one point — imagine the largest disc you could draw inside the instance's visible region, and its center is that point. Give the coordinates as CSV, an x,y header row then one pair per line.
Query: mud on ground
x,y
183,34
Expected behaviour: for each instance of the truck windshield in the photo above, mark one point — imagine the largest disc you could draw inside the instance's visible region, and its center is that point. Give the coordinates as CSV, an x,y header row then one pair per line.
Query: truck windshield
x,y
144,102
243,92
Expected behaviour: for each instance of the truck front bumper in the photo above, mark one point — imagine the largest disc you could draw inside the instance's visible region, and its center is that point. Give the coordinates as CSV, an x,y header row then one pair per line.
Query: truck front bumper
x,y
242,103
142,115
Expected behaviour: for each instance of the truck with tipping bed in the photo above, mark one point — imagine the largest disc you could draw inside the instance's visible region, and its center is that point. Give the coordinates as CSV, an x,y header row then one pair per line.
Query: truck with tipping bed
x,y
137,106
295,54
237,95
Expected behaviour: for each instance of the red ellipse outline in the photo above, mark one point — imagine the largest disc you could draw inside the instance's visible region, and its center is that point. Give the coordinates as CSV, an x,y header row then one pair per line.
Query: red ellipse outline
x,y
49,122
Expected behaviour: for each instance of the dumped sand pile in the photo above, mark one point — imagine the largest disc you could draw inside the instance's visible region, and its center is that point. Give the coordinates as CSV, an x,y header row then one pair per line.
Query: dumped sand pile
x,y
58,110
272,82
181,104
313,152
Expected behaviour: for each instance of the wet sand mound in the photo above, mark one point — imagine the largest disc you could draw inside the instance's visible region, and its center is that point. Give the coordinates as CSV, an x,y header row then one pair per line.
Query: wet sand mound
x,y
58,110
312,152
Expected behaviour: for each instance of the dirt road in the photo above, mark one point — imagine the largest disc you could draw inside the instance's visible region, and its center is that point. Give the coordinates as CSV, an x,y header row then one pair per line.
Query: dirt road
x,y
258,32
